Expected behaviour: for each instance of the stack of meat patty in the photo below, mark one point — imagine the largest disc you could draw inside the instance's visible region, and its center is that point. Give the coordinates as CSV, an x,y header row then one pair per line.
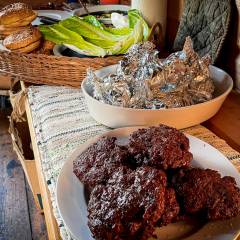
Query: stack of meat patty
x,y
149,183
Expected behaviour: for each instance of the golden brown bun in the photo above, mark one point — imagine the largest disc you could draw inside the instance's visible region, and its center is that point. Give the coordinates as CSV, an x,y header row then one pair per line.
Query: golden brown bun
x,y
31,47
14,13
22,38
24,22
5,31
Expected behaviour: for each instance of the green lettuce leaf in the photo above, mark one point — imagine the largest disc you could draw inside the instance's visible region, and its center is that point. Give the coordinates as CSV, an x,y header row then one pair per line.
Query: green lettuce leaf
x,y
122,46
87,30
100,43
134,16
119,31
94,38
61,35
93,20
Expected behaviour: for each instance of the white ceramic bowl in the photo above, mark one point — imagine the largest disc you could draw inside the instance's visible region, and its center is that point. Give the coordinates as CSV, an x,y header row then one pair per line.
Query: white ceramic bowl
x,y
183,117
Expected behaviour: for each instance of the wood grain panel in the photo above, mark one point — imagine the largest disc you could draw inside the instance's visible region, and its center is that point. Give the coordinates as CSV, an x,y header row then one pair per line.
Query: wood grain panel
x,y
175,8
19,217
14,218
38,226
226,123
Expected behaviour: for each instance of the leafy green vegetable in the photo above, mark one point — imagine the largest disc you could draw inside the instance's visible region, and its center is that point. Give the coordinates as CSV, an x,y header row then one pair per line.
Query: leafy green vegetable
x,y
116,31
87,30
134,16
135,37
94,38
93,20
61,35
100,43
119,31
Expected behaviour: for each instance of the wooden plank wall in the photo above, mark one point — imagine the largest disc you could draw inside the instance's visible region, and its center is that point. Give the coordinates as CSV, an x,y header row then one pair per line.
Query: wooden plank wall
x,y
175,8
227,59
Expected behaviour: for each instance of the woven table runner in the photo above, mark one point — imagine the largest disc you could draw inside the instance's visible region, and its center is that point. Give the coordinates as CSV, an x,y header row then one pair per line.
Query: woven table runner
x,y
62,122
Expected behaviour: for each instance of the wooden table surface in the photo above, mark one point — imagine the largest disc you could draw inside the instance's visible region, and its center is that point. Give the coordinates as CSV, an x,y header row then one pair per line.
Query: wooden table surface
x,y
19,216
226,123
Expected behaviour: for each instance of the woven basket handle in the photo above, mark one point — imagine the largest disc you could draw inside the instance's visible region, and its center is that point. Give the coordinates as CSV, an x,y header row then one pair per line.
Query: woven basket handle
x,y
156,35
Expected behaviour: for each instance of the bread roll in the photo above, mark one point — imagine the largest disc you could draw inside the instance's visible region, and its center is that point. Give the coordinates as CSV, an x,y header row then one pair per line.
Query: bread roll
x,y
15,14
23,39
31,47
5,31
24,22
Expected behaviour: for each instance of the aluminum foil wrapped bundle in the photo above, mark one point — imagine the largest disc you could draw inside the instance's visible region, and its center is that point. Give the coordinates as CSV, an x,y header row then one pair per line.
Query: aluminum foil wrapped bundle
x,y
143,81
184,79
111,89
129,86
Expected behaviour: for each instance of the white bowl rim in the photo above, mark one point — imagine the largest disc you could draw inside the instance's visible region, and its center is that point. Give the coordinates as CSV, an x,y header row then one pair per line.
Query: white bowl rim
x,y
109,7
163,109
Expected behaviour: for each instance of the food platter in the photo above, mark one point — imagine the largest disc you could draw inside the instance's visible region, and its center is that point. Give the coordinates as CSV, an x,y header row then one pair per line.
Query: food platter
x,y
55,14
71,199
183,117
72,51
68,50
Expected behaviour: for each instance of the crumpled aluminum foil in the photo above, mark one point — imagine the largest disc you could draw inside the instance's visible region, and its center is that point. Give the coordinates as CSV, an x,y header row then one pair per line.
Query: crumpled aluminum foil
x,y
143,81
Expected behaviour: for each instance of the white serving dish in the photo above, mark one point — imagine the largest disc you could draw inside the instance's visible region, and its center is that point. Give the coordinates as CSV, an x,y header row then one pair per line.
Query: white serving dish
x,y
77,52
71,198
115,117
56,14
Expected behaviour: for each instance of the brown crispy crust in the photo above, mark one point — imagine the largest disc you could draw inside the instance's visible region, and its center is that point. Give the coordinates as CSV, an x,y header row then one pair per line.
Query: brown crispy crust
x,y
204,192
129,206
31,47
161,147
15,12
99,161
22,38
22,22
6,31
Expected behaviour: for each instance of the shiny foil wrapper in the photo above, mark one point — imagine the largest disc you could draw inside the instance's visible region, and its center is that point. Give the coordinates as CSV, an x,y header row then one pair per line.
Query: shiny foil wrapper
x,y
143,81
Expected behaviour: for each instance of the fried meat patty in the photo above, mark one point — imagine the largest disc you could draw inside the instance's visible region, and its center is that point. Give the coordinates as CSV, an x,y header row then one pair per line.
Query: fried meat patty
x,y
204,192
99,161
128,206
171,208
161,147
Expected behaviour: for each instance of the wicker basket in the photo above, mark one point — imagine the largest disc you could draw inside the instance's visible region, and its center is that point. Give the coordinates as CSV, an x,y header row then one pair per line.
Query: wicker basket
x,y
55,70
39,68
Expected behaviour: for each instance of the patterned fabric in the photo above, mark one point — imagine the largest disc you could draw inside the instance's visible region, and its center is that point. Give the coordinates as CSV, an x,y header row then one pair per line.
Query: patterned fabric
x,y
206,22
62,123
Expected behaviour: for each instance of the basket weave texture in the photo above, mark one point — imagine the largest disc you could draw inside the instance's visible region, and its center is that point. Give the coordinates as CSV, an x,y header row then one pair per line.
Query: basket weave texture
x,y
55,70
51,70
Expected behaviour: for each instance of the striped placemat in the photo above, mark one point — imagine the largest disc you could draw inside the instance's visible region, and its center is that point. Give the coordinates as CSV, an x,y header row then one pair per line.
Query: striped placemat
x,y
62,122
